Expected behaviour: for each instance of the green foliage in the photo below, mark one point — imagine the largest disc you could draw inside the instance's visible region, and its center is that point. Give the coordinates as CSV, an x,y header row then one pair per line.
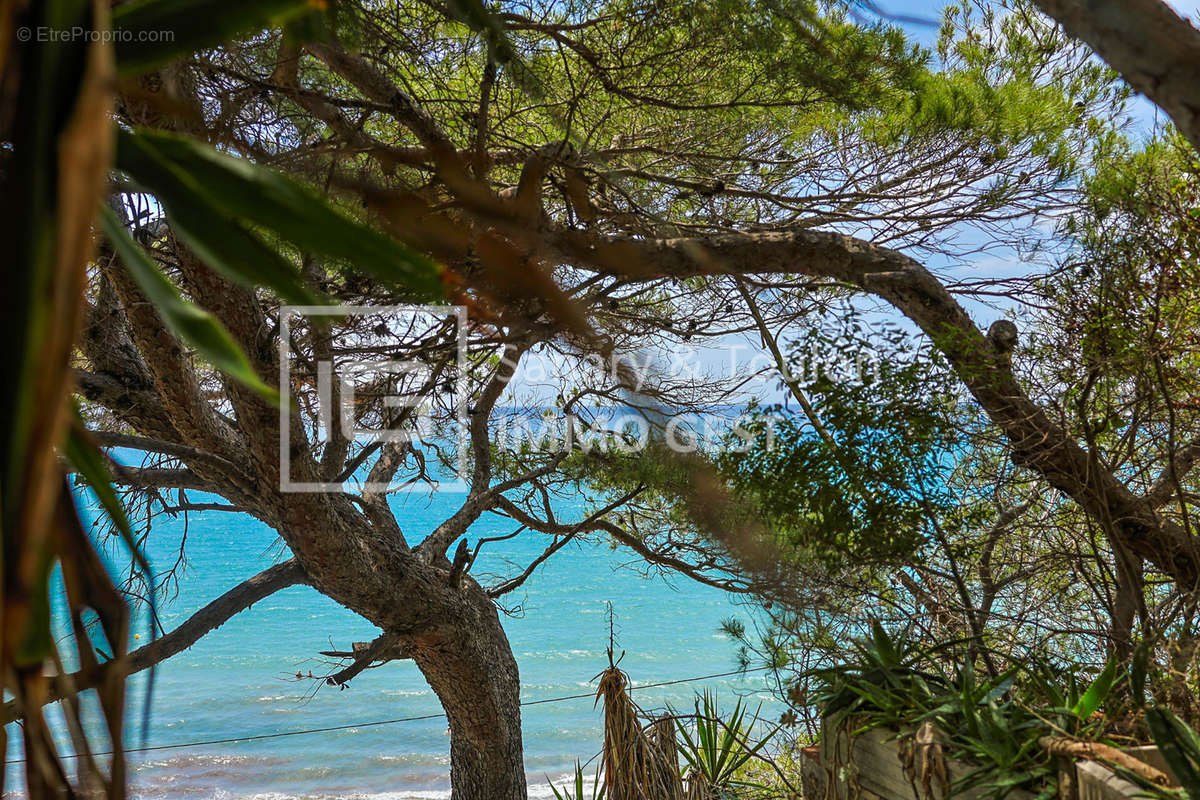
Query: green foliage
x,y
211,197
1136,262
213,232
718,748
993,722
861,480
880,677
1120,342
1179,746
745,53
1011,79
991,734
778,99
1090,701
577,790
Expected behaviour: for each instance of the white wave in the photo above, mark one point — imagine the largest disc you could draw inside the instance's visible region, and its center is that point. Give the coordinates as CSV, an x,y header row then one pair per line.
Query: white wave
x,y
539,790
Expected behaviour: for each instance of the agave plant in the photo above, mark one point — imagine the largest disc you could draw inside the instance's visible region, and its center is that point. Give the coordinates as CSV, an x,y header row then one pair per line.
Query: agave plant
x,y
719,747
992,721
577,790
880,679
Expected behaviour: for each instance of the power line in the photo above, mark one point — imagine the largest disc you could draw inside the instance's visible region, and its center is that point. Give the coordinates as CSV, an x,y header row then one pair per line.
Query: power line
x,y
376,723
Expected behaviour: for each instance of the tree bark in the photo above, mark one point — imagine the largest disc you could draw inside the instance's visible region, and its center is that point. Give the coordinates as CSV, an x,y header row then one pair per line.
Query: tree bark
x,y
1155,50
1128,601
470,666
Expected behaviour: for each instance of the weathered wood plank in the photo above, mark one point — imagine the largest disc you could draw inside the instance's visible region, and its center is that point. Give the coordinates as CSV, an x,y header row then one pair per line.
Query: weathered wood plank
x,y
873,762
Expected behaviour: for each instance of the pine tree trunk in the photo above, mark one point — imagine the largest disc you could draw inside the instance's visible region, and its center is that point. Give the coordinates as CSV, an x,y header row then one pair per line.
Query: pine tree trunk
x,y
470,666
444,621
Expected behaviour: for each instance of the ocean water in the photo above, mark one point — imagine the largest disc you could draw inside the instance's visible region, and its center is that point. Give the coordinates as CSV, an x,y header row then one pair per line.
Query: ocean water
x,y
240,680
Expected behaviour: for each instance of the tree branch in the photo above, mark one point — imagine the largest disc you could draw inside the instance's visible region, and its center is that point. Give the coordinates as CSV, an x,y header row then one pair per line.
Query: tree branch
x,y
481,495
182,451
386,647
161,478
1179,464
596,523
175,379
378,87
1154,49
509,585
1037,443
207,619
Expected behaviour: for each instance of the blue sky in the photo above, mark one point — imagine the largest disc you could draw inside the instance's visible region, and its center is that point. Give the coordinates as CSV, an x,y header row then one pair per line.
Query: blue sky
x,y
932,11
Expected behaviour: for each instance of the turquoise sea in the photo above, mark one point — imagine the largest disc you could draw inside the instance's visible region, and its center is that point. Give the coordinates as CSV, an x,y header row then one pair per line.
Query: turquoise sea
x,y
240,680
